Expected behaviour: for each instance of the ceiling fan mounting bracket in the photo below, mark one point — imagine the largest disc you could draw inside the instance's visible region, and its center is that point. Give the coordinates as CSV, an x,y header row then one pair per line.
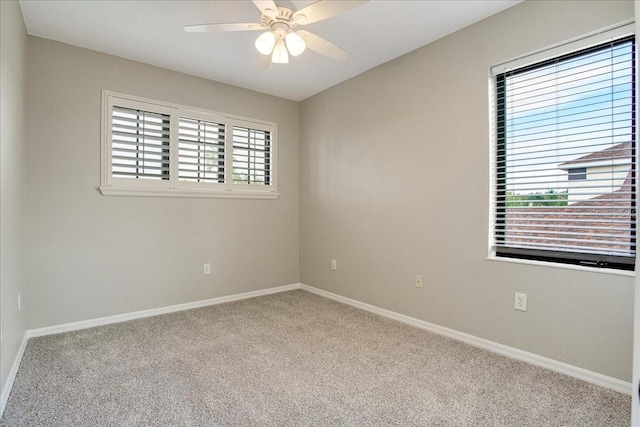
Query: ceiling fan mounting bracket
x,y
284,17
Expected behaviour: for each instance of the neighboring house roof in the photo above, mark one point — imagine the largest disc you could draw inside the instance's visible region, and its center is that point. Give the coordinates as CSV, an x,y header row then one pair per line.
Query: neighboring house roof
x,y
561,223
527,226
575,218
620,154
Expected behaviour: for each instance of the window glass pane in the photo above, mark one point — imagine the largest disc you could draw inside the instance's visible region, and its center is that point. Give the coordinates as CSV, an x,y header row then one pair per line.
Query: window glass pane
x,y
577,174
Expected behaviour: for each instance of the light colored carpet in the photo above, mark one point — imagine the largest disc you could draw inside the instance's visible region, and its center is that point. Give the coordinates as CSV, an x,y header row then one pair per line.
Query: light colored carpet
x,y
289,359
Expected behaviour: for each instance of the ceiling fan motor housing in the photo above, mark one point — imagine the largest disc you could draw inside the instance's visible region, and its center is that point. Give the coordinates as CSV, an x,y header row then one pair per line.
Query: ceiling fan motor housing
x,y
280,24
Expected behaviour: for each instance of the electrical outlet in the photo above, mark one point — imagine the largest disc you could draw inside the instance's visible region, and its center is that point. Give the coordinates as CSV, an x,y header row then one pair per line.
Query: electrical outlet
x,y
19,302
418,280
520,302
207,269
334,264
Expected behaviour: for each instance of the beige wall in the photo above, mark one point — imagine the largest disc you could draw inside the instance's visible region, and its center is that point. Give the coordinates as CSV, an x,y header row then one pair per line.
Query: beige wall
x,y
395,182
13,45
91,255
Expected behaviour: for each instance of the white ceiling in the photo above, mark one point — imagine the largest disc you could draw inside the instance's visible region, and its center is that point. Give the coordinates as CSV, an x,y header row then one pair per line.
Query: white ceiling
x,y
151,32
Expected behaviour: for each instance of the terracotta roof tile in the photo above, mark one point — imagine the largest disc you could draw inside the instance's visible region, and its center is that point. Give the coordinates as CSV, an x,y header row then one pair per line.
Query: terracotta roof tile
x,y
622,150
525,225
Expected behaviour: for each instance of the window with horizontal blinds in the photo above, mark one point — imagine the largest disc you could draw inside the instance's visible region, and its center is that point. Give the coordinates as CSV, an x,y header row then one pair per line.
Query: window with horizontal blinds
x,y
565,166
201,151
140,143
251,156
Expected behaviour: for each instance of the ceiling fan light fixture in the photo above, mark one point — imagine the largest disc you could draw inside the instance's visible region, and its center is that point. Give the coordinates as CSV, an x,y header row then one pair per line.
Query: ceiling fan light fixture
x,y
280,54
295,43
265,42
278,39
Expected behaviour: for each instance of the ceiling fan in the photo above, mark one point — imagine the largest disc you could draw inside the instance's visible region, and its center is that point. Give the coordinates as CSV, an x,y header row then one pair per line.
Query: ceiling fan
x,y
281,37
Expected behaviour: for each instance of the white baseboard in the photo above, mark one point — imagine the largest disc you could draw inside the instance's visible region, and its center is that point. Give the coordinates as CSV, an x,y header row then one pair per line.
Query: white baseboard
x,y
84,324
534,359
6,390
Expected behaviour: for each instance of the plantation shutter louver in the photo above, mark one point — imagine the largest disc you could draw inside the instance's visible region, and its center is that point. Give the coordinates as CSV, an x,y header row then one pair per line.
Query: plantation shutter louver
x,y
251,156
565,168
201,151
139,144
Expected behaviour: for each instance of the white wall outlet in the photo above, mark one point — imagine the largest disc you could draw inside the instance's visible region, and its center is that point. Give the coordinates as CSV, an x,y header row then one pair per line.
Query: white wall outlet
x,y
334,264
207,269
19,301
418,280
520,302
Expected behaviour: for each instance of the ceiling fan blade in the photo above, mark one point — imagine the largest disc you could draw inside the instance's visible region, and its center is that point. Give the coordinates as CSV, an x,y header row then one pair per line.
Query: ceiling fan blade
x,y
263,62
324,9
323,47
268,7
231,26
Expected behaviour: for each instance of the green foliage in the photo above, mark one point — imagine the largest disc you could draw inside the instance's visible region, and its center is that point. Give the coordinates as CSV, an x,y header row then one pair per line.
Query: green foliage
x,y
243,177
212,159
548,198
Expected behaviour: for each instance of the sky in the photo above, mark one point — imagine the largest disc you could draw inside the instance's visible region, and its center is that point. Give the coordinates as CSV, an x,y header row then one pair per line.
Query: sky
x,y
564,111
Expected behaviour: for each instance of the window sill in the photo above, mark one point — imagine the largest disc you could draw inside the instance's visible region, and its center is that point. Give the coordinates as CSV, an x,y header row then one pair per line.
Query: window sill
x,y
186,193
563,266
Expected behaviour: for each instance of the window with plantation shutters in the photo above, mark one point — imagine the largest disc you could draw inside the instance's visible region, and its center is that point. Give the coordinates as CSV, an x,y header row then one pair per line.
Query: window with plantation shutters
x,y
565,169
152,148
251,156
139,144
201,151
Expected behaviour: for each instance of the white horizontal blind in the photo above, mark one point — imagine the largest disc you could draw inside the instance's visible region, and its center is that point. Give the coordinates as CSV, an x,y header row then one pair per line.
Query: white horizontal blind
x,y
565,158
139,144
201,151
251,156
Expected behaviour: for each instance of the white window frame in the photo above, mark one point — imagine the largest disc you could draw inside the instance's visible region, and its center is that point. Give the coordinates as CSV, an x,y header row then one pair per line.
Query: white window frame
x,y
173,187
